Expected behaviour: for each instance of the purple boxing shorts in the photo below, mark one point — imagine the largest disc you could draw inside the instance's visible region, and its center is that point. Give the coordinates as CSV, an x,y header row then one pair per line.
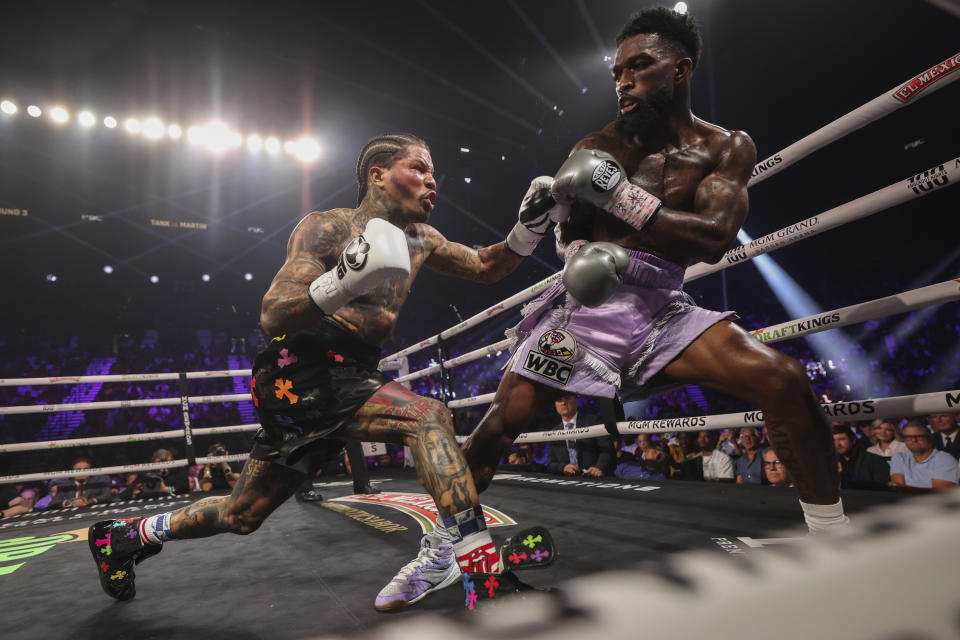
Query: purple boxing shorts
x,y
613,349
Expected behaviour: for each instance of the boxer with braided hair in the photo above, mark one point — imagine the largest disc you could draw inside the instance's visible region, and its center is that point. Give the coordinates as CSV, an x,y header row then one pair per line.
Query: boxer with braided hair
x,y
331,306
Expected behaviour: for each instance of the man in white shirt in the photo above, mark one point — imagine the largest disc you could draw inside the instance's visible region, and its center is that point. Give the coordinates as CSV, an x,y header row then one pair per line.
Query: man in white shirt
x,y
923,467
717,466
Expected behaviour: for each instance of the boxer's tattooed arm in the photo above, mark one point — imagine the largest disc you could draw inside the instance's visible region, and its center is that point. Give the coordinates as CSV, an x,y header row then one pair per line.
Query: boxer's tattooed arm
x,y
488,264
315,243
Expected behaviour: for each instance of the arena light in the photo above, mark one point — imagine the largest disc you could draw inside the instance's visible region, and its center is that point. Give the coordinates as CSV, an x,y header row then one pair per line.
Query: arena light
x,y
205,277
195,135
34,111
272,145
290,147
59,115
248,276
132,125
8,107
680,7
110,122
217,137
154,279
153,128
86,119
464,150
307,150
467,180
51,277
174,131
235,140
254,143
107,269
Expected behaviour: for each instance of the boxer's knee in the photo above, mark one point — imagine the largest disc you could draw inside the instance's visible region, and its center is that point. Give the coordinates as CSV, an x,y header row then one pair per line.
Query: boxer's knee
x,y
779,381
242,518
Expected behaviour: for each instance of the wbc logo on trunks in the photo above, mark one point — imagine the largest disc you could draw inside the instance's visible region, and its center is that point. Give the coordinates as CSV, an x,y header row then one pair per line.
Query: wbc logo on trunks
x,y
354,256
605,176
558,344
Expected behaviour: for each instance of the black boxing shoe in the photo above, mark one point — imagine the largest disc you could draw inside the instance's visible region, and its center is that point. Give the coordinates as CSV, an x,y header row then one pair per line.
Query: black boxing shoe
x,y
365,488
115,546
309,494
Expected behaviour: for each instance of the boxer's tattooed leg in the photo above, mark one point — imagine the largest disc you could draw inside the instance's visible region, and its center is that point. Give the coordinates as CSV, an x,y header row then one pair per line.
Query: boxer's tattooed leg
x,y
396,415
261,488
442,469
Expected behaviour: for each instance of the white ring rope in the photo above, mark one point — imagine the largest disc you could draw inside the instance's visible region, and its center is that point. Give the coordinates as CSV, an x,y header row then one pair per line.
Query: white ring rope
x,y
133,437
870,409
916,186
123,404
132,377
928,80
130,468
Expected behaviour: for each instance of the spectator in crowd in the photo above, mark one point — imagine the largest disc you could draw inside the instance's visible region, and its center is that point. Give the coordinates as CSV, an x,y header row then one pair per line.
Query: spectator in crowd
x,y
887,438
858,469
680,450
727,442
21,502
749,466
945,430
79,491
166,481
587,456
219,476
775,471
715,465
868,437
922,468
650,464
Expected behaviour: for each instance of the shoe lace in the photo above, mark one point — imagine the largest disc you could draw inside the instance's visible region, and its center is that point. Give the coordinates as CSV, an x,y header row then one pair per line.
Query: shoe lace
x,y
427,556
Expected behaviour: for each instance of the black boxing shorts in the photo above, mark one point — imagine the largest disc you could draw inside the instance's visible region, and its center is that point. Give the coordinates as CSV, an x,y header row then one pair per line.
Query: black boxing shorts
x,y
306,387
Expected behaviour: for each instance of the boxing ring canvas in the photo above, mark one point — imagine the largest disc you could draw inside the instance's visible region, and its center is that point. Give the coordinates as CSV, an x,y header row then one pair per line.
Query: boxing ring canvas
x,y
313,569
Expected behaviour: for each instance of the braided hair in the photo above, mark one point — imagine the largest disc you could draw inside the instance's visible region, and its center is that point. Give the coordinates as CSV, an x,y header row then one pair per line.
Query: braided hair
x,y
382,151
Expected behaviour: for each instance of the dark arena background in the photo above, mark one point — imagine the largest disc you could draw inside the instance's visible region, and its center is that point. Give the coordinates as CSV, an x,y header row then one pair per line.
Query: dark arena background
x,y
155,157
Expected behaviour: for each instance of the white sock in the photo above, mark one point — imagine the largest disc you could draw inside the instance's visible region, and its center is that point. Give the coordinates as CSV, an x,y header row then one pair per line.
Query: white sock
x,y
471,540
156,529
821,517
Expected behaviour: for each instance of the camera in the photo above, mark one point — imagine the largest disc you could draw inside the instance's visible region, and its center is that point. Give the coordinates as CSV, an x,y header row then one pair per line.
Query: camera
x,y
150,482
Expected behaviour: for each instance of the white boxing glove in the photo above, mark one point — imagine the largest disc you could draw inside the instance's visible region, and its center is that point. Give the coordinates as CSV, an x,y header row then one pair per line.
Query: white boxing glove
x,y
379,254
538,213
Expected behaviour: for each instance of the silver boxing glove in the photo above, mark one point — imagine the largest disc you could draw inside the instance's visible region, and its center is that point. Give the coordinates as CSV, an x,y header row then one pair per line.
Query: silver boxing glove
x,y
593,273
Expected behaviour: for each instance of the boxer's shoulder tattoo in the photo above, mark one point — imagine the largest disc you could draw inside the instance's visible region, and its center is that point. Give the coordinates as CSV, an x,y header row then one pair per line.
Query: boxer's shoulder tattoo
x,y
313,248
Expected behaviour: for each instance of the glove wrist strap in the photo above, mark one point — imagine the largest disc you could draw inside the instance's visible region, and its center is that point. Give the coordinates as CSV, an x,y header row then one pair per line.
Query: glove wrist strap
x,y
522,241
326,294
633,205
